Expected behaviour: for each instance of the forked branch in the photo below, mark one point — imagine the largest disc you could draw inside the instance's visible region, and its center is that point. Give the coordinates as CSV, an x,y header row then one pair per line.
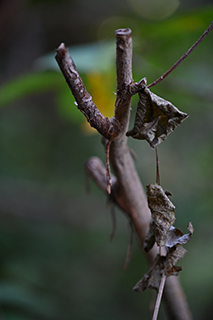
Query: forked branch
x,y
127,190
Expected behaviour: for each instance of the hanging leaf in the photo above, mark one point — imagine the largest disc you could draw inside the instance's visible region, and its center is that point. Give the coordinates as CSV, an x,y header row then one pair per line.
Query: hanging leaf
x,y
152,279
150,238
176,236
162,210
155,118
175,254
162,265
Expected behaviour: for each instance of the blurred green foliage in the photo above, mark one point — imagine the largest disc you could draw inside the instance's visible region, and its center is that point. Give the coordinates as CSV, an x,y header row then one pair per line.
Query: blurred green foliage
x,y
56,258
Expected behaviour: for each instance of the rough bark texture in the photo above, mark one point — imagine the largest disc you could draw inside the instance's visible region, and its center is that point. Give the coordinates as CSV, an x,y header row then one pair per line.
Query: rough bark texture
x,y
126,191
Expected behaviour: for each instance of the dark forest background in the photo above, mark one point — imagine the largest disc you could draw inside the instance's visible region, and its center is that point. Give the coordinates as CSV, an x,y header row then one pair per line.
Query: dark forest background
x,y
56,260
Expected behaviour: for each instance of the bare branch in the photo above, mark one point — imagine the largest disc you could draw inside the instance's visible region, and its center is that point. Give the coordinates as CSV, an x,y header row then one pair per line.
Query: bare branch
x,y
83,99
97,172
174,296
124,77
126,188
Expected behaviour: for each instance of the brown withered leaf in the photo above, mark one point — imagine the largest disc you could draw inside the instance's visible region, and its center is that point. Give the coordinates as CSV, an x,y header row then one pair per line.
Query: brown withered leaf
x,y
162,210
175,254
163,265
176,236
152,279
150,237
155,118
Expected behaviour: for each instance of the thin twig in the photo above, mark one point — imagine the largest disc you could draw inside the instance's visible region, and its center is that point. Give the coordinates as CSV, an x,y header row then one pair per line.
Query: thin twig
x,y
159,297
157,167
108,174
183,57
152,296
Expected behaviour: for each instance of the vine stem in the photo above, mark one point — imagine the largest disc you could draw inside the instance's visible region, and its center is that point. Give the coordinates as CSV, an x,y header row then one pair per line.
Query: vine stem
x,y
159,297
183,57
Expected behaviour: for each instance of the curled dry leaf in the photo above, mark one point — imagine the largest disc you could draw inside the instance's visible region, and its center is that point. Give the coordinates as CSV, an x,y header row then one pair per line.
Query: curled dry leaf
x,y
152,279
176,236
163,265
163,214
150,238
155,118
175,254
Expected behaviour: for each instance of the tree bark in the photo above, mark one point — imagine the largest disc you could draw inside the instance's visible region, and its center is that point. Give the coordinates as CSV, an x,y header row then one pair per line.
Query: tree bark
x,y
126,191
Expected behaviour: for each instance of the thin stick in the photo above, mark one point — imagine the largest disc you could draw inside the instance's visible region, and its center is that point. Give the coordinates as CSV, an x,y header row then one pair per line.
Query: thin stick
x,y
151,303
159,297
108,173
183,57
157,167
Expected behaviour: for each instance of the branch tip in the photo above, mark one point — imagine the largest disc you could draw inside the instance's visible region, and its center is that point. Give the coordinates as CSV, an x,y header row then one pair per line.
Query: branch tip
x,y
123,32
61,49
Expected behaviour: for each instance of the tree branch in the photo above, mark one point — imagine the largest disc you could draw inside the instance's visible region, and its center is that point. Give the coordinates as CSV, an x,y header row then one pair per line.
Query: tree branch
x,y
127,191
83,99
173,296
124,77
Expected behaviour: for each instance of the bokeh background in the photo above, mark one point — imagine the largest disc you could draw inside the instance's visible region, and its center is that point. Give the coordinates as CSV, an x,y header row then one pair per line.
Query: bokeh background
x,y
56,260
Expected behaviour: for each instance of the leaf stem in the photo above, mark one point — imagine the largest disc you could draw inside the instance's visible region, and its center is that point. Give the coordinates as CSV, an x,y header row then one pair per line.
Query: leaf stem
x,y
183,57
157,167
108,174
159,297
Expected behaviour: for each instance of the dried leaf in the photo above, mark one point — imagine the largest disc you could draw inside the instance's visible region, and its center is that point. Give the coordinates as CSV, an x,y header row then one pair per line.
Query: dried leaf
x,y
162,265
174,271
150,238
175,254
176,236
155,118
162,210
152,279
